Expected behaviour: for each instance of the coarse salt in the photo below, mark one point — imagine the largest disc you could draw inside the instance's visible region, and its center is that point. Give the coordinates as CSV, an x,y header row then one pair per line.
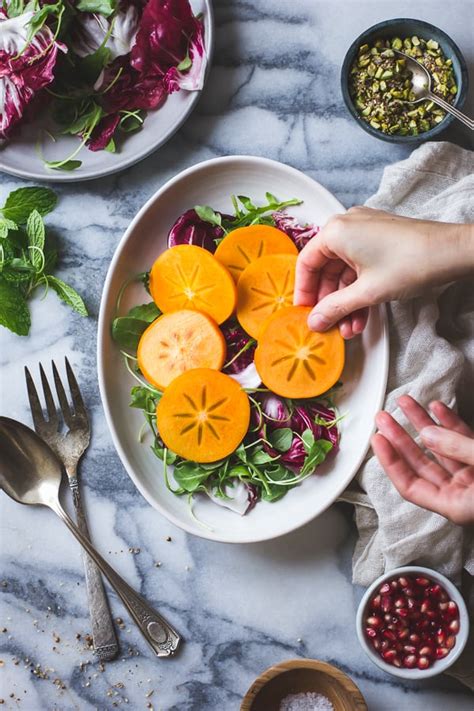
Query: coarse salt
x,y
306,701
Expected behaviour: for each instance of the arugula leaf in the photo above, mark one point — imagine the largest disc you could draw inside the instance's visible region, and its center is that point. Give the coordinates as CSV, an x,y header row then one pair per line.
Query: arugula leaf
x,y
101,7
316,455
14,311
67,294
281,439
36,236
127,331
261,457
145,312
207,214
90,66
40,17
20,203
251,214
189,476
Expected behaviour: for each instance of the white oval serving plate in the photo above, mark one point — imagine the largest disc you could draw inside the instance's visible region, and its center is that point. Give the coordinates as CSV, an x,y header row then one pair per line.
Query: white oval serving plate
x,y
364,377
20,156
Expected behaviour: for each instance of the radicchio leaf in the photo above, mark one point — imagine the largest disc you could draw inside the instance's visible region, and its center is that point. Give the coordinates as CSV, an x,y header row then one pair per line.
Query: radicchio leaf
x,y
193,78
236,340
89,31
128,89
103,132
25,68
300,234
189,228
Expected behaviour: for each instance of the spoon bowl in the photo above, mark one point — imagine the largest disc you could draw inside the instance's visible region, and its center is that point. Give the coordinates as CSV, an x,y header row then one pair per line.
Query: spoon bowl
x,y
30,473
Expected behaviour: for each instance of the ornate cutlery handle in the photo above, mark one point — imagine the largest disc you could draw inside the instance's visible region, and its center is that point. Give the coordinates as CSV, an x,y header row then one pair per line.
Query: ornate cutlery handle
x,y
451,110
103,633
161,637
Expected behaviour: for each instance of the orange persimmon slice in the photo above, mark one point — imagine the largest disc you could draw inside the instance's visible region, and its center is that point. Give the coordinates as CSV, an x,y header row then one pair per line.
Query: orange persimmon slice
x,y
190,277
203,415
179,341
246,244
294,361
265,286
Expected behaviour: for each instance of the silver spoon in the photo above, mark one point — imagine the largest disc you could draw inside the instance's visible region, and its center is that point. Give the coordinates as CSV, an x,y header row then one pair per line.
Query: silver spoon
x,y
30,473
421,87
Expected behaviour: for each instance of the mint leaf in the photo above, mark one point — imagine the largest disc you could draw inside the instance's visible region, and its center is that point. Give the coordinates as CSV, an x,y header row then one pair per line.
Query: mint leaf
x,y
20,203
145,312
102,7
126,331
36,234
14,312
67,294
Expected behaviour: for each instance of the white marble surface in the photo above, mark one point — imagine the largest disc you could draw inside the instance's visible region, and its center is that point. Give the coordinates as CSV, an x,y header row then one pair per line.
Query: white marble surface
x,y
273,91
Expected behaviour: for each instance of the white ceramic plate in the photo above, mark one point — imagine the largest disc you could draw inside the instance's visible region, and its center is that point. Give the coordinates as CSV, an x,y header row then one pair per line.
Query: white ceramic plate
x,y
20,156
364,377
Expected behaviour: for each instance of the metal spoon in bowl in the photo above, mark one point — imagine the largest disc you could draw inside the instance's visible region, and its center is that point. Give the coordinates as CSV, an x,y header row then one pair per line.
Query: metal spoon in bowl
x,y
30,473
421,87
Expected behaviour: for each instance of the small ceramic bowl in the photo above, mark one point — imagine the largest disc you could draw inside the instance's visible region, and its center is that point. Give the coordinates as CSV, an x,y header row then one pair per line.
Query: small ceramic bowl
x,y
406,27
440,665
299,676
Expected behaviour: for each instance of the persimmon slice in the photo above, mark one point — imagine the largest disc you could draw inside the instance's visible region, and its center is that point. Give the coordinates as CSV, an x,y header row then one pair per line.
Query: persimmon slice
x,y
203,415
265,286
190,277
294,361
246,244
179,341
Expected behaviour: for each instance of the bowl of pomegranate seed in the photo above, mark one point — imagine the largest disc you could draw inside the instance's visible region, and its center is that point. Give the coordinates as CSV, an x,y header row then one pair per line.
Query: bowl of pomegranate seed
x,y
413,622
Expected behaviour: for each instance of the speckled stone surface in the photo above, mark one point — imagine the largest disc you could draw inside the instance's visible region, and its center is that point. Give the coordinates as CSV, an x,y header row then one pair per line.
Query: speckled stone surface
x,y
273,91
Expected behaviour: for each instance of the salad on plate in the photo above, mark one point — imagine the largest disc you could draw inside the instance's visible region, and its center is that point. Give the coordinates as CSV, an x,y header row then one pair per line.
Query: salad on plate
x,y
94,68
236,391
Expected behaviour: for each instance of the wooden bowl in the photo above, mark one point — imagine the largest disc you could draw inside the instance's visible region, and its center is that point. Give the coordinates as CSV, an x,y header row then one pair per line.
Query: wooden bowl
x,y
302,675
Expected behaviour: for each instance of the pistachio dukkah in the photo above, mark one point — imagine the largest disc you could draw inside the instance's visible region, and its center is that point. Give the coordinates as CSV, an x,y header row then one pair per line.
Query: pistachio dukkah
x,y
380,85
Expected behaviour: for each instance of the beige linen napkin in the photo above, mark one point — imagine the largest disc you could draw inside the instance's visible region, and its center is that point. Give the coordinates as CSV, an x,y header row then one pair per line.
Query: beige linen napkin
x,y
431,357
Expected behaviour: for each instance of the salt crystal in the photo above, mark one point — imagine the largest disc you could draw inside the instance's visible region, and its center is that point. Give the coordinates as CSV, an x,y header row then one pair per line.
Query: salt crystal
x,y
306,701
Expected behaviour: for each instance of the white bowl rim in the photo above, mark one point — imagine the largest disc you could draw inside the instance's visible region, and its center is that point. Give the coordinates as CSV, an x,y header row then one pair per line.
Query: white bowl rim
x,y
101,331
440,665
95,173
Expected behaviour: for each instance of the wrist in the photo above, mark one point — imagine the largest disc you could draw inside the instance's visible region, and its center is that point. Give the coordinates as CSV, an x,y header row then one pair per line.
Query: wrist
x,y
451,250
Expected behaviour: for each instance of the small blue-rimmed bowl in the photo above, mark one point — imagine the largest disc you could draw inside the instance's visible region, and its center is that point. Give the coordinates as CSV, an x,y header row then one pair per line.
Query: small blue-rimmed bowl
x,y
406,27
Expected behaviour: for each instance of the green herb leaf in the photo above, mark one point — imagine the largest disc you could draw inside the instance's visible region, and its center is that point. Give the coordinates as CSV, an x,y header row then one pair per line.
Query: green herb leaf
x,y
145,312
316,455
90,66
261,457
281,439
185,64
110,147
63,165
101,7
308,439
36,235
207,214
14,311
189,476
127,331
20,203
67,294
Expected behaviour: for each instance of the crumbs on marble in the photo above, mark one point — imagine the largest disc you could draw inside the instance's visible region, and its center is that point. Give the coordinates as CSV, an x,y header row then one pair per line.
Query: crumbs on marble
x,y
168,539
158,564
134,551
120,623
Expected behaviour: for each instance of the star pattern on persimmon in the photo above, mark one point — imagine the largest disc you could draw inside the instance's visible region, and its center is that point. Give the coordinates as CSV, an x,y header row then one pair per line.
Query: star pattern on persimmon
x,y
202,415
300,353
274,296
188,289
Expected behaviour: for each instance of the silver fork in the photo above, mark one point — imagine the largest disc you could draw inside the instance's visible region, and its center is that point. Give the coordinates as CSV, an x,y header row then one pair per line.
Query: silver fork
x,y
69,447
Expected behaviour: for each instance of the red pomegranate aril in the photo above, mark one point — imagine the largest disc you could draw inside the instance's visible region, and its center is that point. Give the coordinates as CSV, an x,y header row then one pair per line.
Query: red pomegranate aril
x,y
434,590
422,582
403,633
450,641
388,634
441,652
389,655
402,612
386,603
394,585
423,663
409,661
410,648
374,622
400,602
425,606
384,589
426,651
384,644
440,636
397,662
452,609
375,602
376,643
370,632
415,638
412,604
403,582
409,592
454,626
443,606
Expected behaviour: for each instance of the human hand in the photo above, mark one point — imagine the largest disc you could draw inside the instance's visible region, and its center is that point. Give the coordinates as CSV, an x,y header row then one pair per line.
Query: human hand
x,y
445,486
365,257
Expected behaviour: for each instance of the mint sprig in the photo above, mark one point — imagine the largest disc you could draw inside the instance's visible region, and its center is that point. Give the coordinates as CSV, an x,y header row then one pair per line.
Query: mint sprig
x,y
26,259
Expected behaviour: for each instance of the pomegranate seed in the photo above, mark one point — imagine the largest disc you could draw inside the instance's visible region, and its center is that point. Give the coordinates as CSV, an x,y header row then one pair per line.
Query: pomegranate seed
x,y
423,663
450,641
403,612
422,582
415,638
426,651
409,661
374,622
386,603
385,588
394,585
375,643
425,606
412,604
375,602
400,602
388,634
387,617
443,606
440,636
370,632
443,596
452,609
434,590
397,662
384,644
409,592
410,648
441,652
454,626
403,582
403,634
389,655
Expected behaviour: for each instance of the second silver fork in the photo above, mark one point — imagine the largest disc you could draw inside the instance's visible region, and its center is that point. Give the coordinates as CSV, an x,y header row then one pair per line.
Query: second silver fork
x,y
69,447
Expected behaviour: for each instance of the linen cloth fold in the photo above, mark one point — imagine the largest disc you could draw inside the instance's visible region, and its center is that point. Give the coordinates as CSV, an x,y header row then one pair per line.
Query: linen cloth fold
x,y
431,358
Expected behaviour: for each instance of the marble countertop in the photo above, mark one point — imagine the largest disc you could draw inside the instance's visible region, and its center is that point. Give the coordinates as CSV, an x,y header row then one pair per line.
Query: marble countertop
x,y
273,91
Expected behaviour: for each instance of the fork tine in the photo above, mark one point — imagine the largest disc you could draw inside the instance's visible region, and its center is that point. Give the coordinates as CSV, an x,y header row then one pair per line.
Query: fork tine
x,y
50,406
35,405
78,402
65,409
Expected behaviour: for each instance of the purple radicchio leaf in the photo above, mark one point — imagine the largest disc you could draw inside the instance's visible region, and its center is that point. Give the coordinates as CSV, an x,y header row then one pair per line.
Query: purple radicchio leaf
x,y
191,79
103,132
189,228
236,339
300,234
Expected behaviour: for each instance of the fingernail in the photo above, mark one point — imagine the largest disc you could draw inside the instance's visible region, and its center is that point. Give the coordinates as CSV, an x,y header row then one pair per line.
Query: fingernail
x,y
318,322
429,435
